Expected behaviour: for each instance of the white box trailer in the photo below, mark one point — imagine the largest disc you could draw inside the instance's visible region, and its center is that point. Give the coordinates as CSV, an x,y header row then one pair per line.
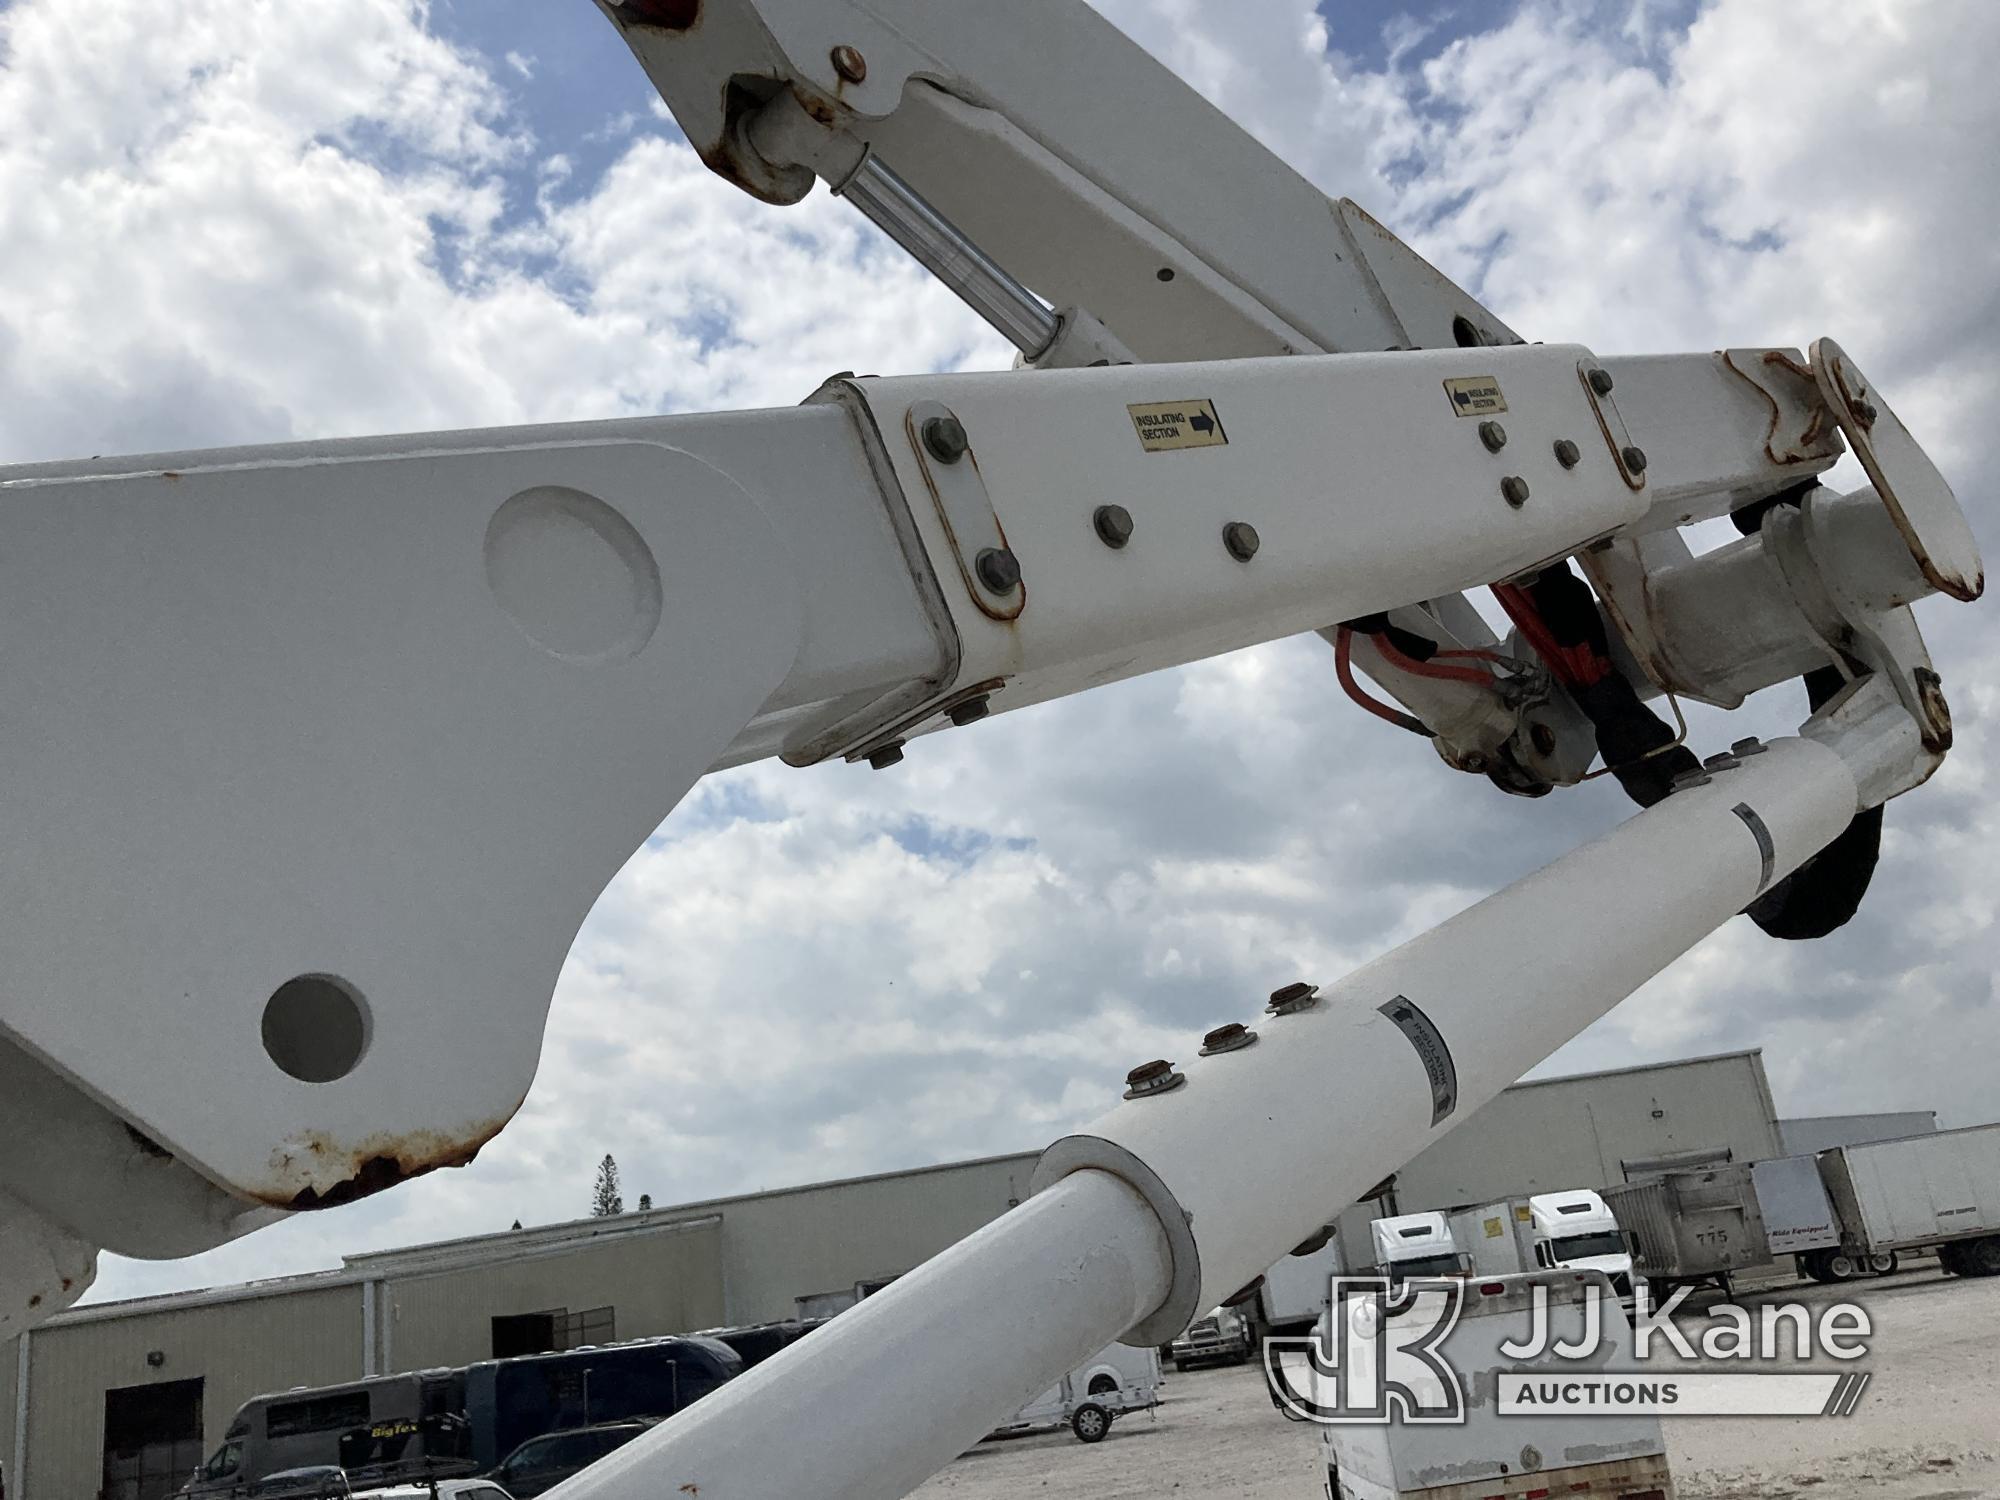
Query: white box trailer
x,y
1939,1190
1498,1238
1514,1457
1294,1292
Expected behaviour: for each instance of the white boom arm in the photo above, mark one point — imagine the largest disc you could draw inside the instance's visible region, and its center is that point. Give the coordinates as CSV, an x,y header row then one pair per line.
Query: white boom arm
x,y
323,751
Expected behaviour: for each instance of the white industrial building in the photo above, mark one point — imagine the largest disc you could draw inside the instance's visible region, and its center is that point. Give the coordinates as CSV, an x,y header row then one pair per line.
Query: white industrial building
x,y
145,1388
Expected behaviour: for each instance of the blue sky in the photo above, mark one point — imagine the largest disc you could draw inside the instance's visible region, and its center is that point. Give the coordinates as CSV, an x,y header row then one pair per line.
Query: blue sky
x,y
236,227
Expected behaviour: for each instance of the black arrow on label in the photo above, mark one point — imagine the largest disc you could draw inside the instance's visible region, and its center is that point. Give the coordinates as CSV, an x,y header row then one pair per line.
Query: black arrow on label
x,y
1462,398
1201,421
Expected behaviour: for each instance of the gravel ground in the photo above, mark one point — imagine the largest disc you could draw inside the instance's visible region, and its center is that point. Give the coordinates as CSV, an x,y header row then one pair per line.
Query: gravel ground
x,y
1928,1428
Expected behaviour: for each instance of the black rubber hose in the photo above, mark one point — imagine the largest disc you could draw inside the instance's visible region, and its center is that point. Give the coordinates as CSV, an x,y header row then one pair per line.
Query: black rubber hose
x,y
1824,893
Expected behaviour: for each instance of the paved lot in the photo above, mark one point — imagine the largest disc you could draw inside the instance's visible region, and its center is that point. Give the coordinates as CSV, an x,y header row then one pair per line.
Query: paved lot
x,y
1928,1429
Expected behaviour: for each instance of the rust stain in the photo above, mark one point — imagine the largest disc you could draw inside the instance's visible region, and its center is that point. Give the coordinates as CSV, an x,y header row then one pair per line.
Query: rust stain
x,y
170,474
36,1300
369,1166
1810,443
817,106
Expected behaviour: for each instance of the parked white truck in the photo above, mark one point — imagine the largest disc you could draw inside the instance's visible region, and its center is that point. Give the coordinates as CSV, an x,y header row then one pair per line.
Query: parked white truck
x,y
1415,1245
1488,1456
1294,1291
1568,1230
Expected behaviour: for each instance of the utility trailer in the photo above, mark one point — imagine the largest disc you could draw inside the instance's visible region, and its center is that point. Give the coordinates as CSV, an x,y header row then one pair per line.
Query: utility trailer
x,y
1691,1227
1118,1379
1940,1190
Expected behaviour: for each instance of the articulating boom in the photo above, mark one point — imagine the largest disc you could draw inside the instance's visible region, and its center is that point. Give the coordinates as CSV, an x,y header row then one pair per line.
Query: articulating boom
x,y
324,750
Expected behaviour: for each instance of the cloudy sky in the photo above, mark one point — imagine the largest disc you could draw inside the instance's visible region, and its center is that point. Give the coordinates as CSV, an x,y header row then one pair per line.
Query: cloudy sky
x,y
244,222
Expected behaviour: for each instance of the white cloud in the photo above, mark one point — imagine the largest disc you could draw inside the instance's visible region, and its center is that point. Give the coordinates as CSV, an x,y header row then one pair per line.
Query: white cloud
x,y
209,241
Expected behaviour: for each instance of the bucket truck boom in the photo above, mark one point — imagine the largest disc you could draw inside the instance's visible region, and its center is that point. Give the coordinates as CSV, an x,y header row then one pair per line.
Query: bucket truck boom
x,y
325,749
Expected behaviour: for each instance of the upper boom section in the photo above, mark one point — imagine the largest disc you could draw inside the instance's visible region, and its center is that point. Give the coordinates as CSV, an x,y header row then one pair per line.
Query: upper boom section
x,y
1068,154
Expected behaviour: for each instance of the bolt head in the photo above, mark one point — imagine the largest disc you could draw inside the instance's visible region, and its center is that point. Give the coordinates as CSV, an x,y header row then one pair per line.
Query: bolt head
x,y
849,64
1231,1038
1293,997
1600,381
1155,1077
884,756
1514,490
1542,738
944,438
998,569
1493,435
971,711
1241,539
1567,453
1635,459
1113,524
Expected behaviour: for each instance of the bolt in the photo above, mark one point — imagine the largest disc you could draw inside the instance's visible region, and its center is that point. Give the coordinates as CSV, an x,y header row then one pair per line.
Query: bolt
x,y
1155,1077
1473,761
1113,524
1600,381
1542,738
998,568
971,711
884,756
1493,435
1240,537
1231,1038
1293,997
849,64
1865,413
1635,459
944,438
1514,490
1567,453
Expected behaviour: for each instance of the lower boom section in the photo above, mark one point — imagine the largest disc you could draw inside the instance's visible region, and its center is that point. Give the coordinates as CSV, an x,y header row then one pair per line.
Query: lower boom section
x,y
1177,1199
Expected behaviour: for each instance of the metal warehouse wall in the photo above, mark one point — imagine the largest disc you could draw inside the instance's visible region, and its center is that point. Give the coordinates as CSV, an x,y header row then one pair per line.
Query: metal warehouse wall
x,y
781,1246
1824,1132
1579,1132
666,1280
240,1348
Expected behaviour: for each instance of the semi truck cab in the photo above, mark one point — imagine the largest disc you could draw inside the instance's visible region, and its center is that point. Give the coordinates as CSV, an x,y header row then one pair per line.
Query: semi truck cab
x,y
1415,1245
1576,1230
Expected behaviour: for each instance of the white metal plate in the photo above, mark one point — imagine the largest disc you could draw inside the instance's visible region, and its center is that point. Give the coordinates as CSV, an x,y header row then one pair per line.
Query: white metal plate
x,y
1925,510
396,720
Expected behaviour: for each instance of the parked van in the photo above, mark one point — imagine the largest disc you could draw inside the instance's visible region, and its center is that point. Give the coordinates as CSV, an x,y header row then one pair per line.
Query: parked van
x,y
508,1401
379,1430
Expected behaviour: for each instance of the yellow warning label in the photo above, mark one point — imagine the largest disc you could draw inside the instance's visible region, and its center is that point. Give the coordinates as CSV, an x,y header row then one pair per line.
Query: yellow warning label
x,y
1166,425
1475,395
1495,1228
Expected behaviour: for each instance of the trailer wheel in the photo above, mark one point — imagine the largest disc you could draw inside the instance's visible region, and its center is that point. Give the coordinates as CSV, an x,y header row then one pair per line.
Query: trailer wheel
x,y
1884,1265
1090,1422
1950,1261
1812,1263
1982,1257
1840,1266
